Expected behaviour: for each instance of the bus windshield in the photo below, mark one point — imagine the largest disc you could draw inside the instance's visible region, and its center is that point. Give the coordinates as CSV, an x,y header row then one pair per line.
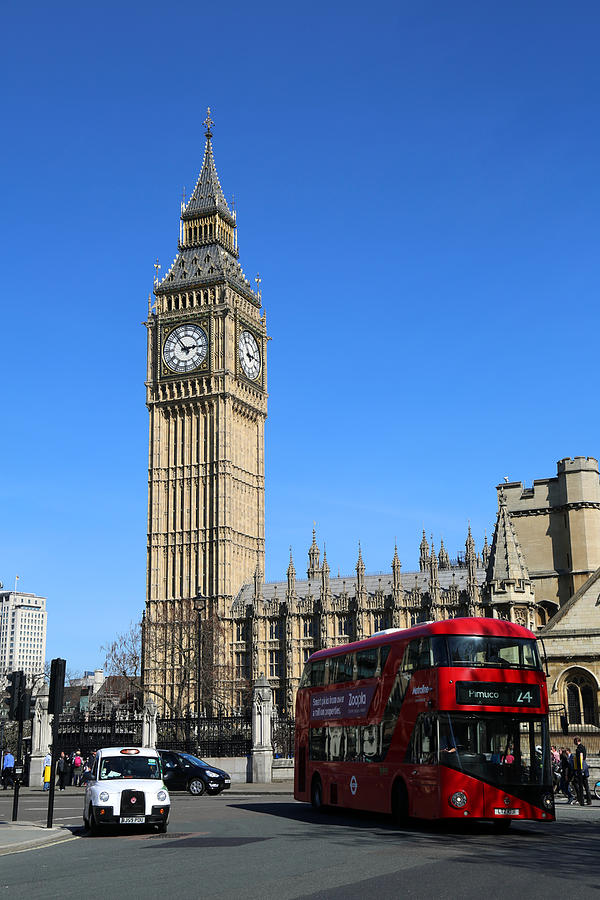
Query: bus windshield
x,y
500,749
476,651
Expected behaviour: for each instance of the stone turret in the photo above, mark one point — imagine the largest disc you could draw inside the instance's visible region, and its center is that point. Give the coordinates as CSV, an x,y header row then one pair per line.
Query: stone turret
x,y
443,557
424,554
485,553
508,585
314,557
398,607
325,576
434,584
291,578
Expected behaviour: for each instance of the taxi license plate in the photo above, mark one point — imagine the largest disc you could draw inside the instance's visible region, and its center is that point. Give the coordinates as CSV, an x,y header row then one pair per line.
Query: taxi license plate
x,y
506,812
132,820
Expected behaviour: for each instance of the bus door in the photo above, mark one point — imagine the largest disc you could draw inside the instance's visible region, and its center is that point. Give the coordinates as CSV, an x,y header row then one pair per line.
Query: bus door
x,y
423,771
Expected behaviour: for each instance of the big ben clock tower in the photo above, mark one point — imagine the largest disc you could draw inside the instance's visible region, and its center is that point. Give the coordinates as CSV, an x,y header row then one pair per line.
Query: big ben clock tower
x,y
207,399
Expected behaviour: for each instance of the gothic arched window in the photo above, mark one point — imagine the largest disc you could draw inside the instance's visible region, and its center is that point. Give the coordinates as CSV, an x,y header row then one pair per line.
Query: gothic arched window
x,y
580,699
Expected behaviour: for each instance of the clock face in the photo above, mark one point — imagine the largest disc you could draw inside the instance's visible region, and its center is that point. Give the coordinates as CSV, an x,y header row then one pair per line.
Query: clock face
x,y
185,348
249,355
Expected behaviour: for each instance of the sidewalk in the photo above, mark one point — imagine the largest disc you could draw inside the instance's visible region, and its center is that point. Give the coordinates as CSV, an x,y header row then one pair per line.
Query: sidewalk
x,y
15,836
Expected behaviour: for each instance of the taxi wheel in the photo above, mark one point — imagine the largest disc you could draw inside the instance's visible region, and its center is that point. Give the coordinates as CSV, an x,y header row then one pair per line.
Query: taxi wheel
x,y
93,828
196,787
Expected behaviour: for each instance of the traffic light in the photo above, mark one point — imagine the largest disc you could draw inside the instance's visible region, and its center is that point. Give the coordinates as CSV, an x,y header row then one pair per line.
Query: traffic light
x,y
57,686
24,711
16,686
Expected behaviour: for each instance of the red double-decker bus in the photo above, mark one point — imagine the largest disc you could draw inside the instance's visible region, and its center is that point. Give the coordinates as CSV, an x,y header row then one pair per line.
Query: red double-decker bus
x,y
444,720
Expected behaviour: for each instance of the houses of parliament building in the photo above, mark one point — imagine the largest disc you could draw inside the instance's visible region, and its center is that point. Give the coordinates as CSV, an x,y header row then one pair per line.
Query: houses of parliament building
x,y
206,390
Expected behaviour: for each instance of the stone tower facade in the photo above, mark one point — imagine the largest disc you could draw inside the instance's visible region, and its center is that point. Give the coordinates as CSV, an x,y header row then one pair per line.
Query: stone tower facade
x,y
207,400
557,523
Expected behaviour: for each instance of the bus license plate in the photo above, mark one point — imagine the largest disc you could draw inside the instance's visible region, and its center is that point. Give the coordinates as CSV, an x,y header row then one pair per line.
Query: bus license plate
x,y
506,812
132,820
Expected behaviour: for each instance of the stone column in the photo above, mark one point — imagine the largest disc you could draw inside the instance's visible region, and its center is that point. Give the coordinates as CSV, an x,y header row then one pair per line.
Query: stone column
x,y
149,724
262,714
41,737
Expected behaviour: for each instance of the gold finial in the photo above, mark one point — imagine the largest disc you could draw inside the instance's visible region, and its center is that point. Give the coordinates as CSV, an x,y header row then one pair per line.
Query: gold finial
x,y
207,123
156,268
258,281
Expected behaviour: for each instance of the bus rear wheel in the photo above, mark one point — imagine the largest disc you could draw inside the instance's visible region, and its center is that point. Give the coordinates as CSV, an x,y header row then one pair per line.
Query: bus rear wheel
x,y
400,803
316,794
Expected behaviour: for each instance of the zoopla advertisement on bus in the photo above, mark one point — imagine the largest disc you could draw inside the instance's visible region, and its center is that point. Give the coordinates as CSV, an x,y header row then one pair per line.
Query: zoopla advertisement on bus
x,y
349,703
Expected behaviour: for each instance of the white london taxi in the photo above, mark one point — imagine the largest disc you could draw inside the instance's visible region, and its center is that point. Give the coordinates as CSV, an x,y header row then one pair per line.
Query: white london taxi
x,y
125,787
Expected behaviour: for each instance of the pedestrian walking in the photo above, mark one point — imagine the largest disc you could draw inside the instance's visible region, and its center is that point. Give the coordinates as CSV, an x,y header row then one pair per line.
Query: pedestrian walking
x,y
8,771
566,774
77,768
580,767
62,769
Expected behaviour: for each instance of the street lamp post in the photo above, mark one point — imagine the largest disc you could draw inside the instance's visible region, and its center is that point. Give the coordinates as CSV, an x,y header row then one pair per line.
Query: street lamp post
x,y
200,606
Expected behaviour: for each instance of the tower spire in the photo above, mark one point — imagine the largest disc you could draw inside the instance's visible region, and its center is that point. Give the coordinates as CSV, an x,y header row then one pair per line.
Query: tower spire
x,y
207,123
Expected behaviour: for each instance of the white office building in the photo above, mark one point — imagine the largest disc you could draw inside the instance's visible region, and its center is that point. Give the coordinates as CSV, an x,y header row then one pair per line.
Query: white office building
x,y
22,633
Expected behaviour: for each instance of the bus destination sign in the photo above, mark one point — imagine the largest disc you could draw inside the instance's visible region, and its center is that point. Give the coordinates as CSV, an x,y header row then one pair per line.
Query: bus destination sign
x,y
493,693
349,703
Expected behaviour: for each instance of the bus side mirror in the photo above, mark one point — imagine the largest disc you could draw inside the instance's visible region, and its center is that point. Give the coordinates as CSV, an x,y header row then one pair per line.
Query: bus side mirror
x,y
564,724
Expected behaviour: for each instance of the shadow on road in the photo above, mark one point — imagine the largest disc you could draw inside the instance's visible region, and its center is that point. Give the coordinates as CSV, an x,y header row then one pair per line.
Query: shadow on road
x,y
359,819
566,849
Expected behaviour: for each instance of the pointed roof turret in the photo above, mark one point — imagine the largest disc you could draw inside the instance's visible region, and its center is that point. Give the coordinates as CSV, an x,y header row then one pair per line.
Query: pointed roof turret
x,y
207,251
324,573
360,570
423,554
485,553
396,569
443,557
314,556
208,197
291,576
507,562
469,545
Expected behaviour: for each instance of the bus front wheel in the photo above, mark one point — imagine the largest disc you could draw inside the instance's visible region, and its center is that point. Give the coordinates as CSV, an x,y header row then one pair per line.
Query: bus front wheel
x,y
399,802
316,794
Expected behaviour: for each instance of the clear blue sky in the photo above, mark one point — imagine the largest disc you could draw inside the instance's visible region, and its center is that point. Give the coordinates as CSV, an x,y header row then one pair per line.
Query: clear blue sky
x,y
417,184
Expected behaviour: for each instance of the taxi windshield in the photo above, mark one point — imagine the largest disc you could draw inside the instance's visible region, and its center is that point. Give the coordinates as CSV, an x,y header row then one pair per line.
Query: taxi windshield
x,y
130,767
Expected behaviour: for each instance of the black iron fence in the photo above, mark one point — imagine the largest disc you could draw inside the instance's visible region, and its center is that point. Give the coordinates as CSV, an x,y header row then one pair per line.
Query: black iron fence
x,y
87,732
218,735
211,736
282,735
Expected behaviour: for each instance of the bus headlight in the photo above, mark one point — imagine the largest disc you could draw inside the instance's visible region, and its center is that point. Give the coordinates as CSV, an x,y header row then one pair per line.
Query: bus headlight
x,y
548,801
103,797
458,799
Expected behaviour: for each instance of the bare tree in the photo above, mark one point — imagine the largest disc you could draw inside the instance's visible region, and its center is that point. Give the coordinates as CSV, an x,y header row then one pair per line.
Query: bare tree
x,y
173,647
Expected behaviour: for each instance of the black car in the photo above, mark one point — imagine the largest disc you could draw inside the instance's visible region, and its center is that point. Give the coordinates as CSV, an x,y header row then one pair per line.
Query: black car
x,y
184,772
